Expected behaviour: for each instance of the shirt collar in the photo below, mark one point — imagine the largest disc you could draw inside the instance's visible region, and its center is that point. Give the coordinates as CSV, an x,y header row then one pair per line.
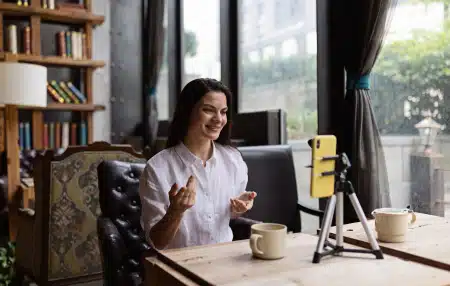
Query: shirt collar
x,y
189,158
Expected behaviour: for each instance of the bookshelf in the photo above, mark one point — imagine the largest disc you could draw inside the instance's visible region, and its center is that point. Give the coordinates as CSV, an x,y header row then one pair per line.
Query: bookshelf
x,y
39,20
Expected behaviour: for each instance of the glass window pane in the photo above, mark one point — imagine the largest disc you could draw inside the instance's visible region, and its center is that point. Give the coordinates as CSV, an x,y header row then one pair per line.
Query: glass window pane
x,y
162,90
201,39
410,83
278,61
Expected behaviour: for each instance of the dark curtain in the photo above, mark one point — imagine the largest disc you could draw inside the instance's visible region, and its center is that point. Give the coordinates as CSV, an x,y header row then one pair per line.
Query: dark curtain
x,y
364,26
152,56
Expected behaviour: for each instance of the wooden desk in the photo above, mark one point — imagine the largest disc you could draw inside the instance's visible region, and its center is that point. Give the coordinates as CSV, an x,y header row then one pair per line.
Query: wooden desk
x,y
427,241
233,264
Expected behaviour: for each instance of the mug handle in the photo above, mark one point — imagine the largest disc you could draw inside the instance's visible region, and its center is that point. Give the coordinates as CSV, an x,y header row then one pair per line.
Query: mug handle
x,y
413,217
254,243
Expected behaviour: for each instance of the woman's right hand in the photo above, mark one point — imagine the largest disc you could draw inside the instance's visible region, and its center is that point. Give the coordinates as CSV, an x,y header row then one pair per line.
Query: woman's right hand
x,y
184,198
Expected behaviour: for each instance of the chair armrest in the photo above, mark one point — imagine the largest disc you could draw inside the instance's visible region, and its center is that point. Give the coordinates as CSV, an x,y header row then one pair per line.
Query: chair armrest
x,y
314,212
112,248
241,227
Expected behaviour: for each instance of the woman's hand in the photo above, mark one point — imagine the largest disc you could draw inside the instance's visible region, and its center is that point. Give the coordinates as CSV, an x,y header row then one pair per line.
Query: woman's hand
x,y
242,203
184,198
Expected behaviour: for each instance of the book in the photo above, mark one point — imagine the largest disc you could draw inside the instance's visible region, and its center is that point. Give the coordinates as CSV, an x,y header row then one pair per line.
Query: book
x,y
84,46
61,42
54,94
21,136
77,92
57,135
73,134
27,133
51,4
12,39
51,137
45,137
83,133
74,44
65,135
68,44
69,92
60,92
27,40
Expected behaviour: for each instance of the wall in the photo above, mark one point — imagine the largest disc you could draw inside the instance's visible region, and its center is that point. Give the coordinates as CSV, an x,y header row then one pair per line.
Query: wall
x,y
101,50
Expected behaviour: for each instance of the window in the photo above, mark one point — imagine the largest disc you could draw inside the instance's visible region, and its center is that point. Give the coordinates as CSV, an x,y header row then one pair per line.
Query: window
x,y
283,74
410,82
162,89
201,40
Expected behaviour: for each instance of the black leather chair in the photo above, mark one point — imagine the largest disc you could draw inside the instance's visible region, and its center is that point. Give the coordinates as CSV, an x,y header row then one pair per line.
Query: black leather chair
x,y
121,238
271,173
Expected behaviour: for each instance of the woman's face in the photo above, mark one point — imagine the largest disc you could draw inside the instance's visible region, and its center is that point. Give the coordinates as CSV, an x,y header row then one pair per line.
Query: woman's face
x,y
209,116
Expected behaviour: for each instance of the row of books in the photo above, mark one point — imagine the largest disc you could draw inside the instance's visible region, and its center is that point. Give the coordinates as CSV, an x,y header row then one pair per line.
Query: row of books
x,y
56,135
71,44
12,45
65,92
50,4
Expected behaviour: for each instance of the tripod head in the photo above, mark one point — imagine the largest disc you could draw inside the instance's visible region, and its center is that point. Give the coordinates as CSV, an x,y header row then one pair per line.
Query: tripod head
x,y
342,164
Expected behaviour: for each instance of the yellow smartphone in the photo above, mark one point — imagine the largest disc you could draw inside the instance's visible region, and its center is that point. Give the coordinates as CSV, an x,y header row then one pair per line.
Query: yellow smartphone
x,y
322,146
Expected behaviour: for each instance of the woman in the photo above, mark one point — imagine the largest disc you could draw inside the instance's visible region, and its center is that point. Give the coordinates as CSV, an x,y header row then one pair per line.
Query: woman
x,y
190,190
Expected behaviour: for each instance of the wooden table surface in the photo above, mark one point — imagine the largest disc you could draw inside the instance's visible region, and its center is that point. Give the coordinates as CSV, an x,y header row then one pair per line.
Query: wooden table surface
x,y
233,264
427,241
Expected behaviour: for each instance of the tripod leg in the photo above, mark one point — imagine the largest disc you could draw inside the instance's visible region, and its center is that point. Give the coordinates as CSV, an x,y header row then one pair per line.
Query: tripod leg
x,y
340,219
325,228
362,218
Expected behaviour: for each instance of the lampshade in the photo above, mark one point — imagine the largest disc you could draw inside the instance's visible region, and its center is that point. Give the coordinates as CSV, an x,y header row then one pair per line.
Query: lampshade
x,y
23,84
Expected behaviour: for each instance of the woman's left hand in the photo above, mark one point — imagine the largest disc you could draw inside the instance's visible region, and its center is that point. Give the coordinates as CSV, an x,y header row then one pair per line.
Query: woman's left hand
x,y
242,203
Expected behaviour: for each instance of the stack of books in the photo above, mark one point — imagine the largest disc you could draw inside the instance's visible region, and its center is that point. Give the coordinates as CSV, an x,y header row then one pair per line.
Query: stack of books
x,y
12,45
71,44
65,92
56,135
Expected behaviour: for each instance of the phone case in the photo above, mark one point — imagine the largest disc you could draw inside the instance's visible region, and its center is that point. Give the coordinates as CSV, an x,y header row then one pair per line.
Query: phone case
x,y
322,146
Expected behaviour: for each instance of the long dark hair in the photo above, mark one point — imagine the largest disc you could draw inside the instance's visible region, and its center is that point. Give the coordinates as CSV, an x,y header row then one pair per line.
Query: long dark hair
x,y
188,98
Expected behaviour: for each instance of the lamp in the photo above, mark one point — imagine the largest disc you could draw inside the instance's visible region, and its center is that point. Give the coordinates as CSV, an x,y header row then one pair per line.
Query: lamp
x,y
23,84
20,85
428,130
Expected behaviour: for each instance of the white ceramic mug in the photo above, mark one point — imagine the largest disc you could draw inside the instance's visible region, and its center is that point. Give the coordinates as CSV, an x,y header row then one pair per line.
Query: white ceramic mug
x,y
392,224
268,240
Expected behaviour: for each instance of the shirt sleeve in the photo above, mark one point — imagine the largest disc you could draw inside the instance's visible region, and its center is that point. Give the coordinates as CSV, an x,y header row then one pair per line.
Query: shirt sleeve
x,y
242,175
154,200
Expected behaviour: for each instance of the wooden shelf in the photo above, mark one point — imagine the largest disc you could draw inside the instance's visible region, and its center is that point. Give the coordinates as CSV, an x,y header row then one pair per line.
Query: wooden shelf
x,y
54,61
64,107
55,15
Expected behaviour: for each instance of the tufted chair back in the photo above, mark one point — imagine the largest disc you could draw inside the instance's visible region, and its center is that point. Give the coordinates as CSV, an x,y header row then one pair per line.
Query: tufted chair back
x,y
122,240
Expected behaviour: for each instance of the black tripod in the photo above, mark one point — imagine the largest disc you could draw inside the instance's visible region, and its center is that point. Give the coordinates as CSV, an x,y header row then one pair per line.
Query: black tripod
x,y
336,201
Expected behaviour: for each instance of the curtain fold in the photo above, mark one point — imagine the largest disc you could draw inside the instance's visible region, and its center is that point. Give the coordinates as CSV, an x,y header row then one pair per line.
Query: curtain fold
x,y
152,56
364,26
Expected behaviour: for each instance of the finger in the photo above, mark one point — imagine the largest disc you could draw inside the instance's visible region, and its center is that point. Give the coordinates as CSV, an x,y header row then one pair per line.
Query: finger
x,y
191,183
252,195
241,206
173,190
233,205
186,198
191,200
179,196
249,205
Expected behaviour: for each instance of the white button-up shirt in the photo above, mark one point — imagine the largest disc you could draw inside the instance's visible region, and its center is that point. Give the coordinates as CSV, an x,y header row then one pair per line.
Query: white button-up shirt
x,y
207,222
